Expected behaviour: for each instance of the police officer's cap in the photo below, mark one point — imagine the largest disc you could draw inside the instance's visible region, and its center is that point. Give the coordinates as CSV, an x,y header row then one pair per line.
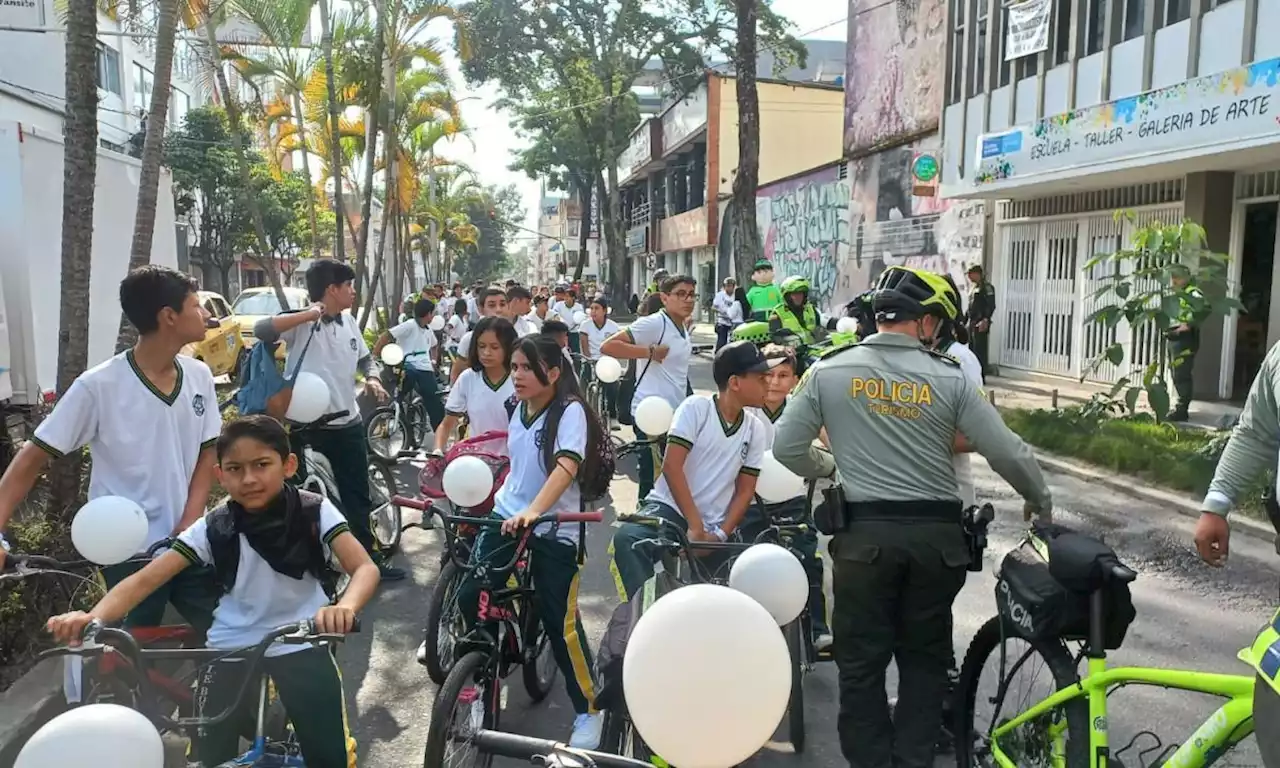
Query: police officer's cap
x,y
904,293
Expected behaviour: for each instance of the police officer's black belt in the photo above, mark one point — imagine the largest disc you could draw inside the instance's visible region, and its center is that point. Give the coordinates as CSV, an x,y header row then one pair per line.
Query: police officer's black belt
x,y
896,511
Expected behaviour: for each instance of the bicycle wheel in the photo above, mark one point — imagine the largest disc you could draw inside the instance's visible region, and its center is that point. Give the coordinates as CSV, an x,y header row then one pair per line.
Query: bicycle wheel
x,y
444,623
385,434
417,421
1059,738
540,671
795,707
469,700
384,518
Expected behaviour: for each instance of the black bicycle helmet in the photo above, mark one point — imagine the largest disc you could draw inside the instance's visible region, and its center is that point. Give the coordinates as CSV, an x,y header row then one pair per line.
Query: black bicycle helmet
x,y
905,293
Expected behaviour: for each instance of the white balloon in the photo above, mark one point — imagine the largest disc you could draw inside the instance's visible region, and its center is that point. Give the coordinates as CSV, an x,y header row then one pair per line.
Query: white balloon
x,y
109,530
706,659
774,577
579,318
653,416
101,735
777,483
846,325
392,354
467,481
608,370
310,399
436,324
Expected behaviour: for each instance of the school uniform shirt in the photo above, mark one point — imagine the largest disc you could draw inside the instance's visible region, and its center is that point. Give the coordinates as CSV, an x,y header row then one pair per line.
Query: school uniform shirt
x,y
144,444
718,453
335,350
768,421
456,329
960,461
417,341
483,402
566,312
597,335
670,378
262,598
525,327
472,309
723,304
526,435
533,319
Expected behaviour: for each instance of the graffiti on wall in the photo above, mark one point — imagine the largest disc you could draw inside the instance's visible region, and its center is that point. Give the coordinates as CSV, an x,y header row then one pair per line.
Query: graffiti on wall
x,y
893,60
805,226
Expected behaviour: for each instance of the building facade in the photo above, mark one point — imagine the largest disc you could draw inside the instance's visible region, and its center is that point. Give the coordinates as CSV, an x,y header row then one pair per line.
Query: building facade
x,y
677,172
1167,108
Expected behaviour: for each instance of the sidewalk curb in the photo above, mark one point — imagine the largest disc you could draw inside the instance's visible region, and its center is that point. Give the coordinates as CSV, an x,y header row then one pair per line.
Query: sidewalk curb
x,y
1134,487
28,704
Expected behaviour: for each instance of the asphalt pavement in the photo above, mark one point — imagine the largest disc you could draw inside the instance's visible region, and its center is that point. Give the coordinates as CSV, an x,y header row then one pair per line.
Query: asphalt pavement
x,y
1189,616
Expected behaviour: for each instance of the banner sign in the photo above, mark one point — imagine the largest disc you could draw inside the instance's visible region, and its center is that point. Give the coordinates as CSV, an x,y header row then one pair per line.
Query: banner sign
x,y
1028,28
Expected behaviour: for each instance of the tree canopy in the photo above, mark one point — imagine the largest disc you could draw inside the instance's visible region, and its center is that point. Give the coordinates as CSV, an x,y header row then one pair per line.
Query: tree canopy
x,y
488,257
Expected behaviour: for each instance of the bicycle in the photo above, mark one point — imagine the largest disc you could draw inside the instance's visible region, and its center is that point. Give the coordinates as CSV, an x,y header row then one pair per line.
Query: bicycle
x,y
549,754
473,687
267,750
593,392
399,428
1068,729
443,623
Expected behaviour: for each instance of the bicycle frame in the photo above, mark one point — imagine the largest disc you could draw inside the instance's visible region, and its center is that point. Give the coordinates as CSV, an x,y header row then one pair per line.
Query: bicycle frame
x,y
1225,728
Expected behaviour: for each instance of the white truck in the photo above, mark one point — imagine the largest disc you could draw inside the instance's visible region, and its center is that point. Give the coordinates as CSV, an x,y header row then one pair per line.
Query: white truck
x,y
31,263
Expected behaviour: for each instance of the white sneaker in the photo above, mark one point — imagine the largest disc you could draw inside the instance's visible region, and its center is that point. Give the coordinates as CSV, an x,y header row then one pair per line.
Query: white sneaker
x,y
823,642
586,731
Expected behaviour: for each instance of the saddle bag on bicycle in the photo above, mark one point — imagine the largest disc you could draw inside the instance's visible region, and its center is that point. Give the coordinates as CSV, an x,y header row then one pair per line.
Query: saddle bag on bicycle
x,y
1044,585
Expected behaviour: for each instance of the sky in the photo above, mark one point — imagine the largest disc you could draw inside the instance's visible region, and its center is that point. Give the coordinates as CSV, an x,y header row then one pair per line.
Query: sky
x,y
492,144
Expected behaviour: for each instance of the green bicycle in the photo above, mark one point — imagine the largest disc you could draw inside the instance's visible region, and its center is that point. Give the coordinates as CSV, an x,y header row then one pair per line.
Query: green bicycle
x,y
1069,728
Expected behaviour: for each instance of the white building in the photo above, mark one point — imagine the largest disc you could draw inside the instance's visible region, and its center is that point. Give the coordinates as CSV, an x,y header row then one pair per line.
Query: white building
x,y
559,241
1168,108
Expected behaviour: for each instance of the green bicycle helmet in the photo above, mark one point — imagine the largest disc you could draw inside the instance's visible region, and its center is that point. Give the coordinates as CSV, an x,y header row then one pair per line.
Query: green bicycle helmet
x,y
756,333
904,293
794,284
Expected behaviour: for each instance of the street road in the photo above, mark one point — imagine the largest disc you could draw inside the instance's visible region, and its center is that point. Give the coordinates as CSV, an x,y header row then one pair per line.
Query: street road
x,y
1188,615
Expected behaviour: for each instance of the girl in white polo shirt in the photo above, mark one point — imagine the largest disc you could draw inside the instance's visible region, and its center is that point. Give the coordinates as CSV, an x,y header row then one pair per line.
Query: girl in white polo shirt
x,y
595,332
482,390
553,439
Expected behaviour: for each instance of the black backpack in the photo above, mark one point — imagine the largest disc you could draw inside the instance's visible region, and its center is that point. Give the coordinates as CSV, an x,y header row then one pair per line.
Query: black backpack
x,y
224,544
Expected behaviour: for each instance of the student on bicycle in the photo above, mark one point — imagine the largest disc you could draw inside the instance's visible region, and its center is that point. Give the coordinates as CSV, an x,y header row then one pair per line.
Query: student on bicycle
x,y
714,452
150,417
566,309
282,542
421,354
595,332
780,380
492,303
662,342
553,439
481,392
337,353
458,323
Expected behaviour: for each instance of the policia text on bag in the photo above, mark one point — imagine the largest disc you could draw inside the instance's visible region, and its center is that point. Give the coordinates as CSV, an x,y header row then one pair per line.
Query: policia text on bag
x,y
893,409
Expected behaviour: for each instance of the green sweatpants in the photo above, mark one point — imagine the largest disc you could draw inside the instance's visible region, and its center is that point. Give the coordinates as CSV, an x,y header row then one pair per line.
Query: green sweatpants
x,y
555,585
310,687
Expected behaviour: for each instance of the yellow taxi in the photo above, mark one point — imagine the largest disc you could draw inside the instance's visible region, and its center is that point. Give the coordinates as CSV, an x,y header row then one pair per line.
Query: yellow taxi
x,y
253,304
223,347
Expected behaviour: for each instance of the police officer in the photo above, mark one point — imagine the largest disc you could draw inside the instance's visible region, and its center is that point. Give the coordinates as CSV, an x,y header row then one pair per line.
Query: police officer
x,y
796,315
1184,341
1249,453
982,308
893,408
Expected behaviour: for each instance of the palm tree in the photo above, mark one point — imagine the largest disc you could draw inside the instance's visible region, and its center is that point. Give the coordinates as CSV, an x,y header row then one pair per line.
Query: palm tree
x,y
144,222
283,25
79,162
335,158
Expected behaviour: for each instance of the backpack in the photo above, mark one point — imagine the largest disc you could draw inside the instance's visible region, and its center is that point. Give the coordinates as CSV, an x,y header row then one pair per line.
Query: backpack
x,y
224,544
263,389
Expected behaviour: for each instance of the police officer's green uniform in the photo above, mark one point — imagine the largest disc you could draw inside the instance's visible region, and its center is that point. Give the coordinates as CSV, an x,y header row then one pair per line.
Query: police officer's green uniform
x,y
804,321
982,307
1183,346
892,409
1249,453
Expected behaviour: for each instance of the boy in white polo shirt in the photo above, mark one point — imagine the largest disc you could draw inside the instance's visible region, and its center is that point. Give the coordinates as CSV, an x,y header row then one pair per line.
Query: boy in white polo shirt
x,y
492,303
709,473
150,418
661,341
336,353
421,353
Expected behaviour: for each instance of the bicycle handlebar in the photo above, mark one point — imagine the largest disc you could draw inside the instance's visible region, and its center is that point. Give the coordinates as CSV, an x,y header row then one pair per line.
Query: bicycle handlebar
x,y
328,418
18,565
547,753
97,638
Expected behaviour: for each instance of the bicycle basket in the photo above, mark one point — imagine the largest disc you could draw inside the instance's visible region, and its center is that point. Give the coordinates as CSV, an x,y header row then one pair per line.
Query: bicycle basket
x,y
1043,587
431,478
